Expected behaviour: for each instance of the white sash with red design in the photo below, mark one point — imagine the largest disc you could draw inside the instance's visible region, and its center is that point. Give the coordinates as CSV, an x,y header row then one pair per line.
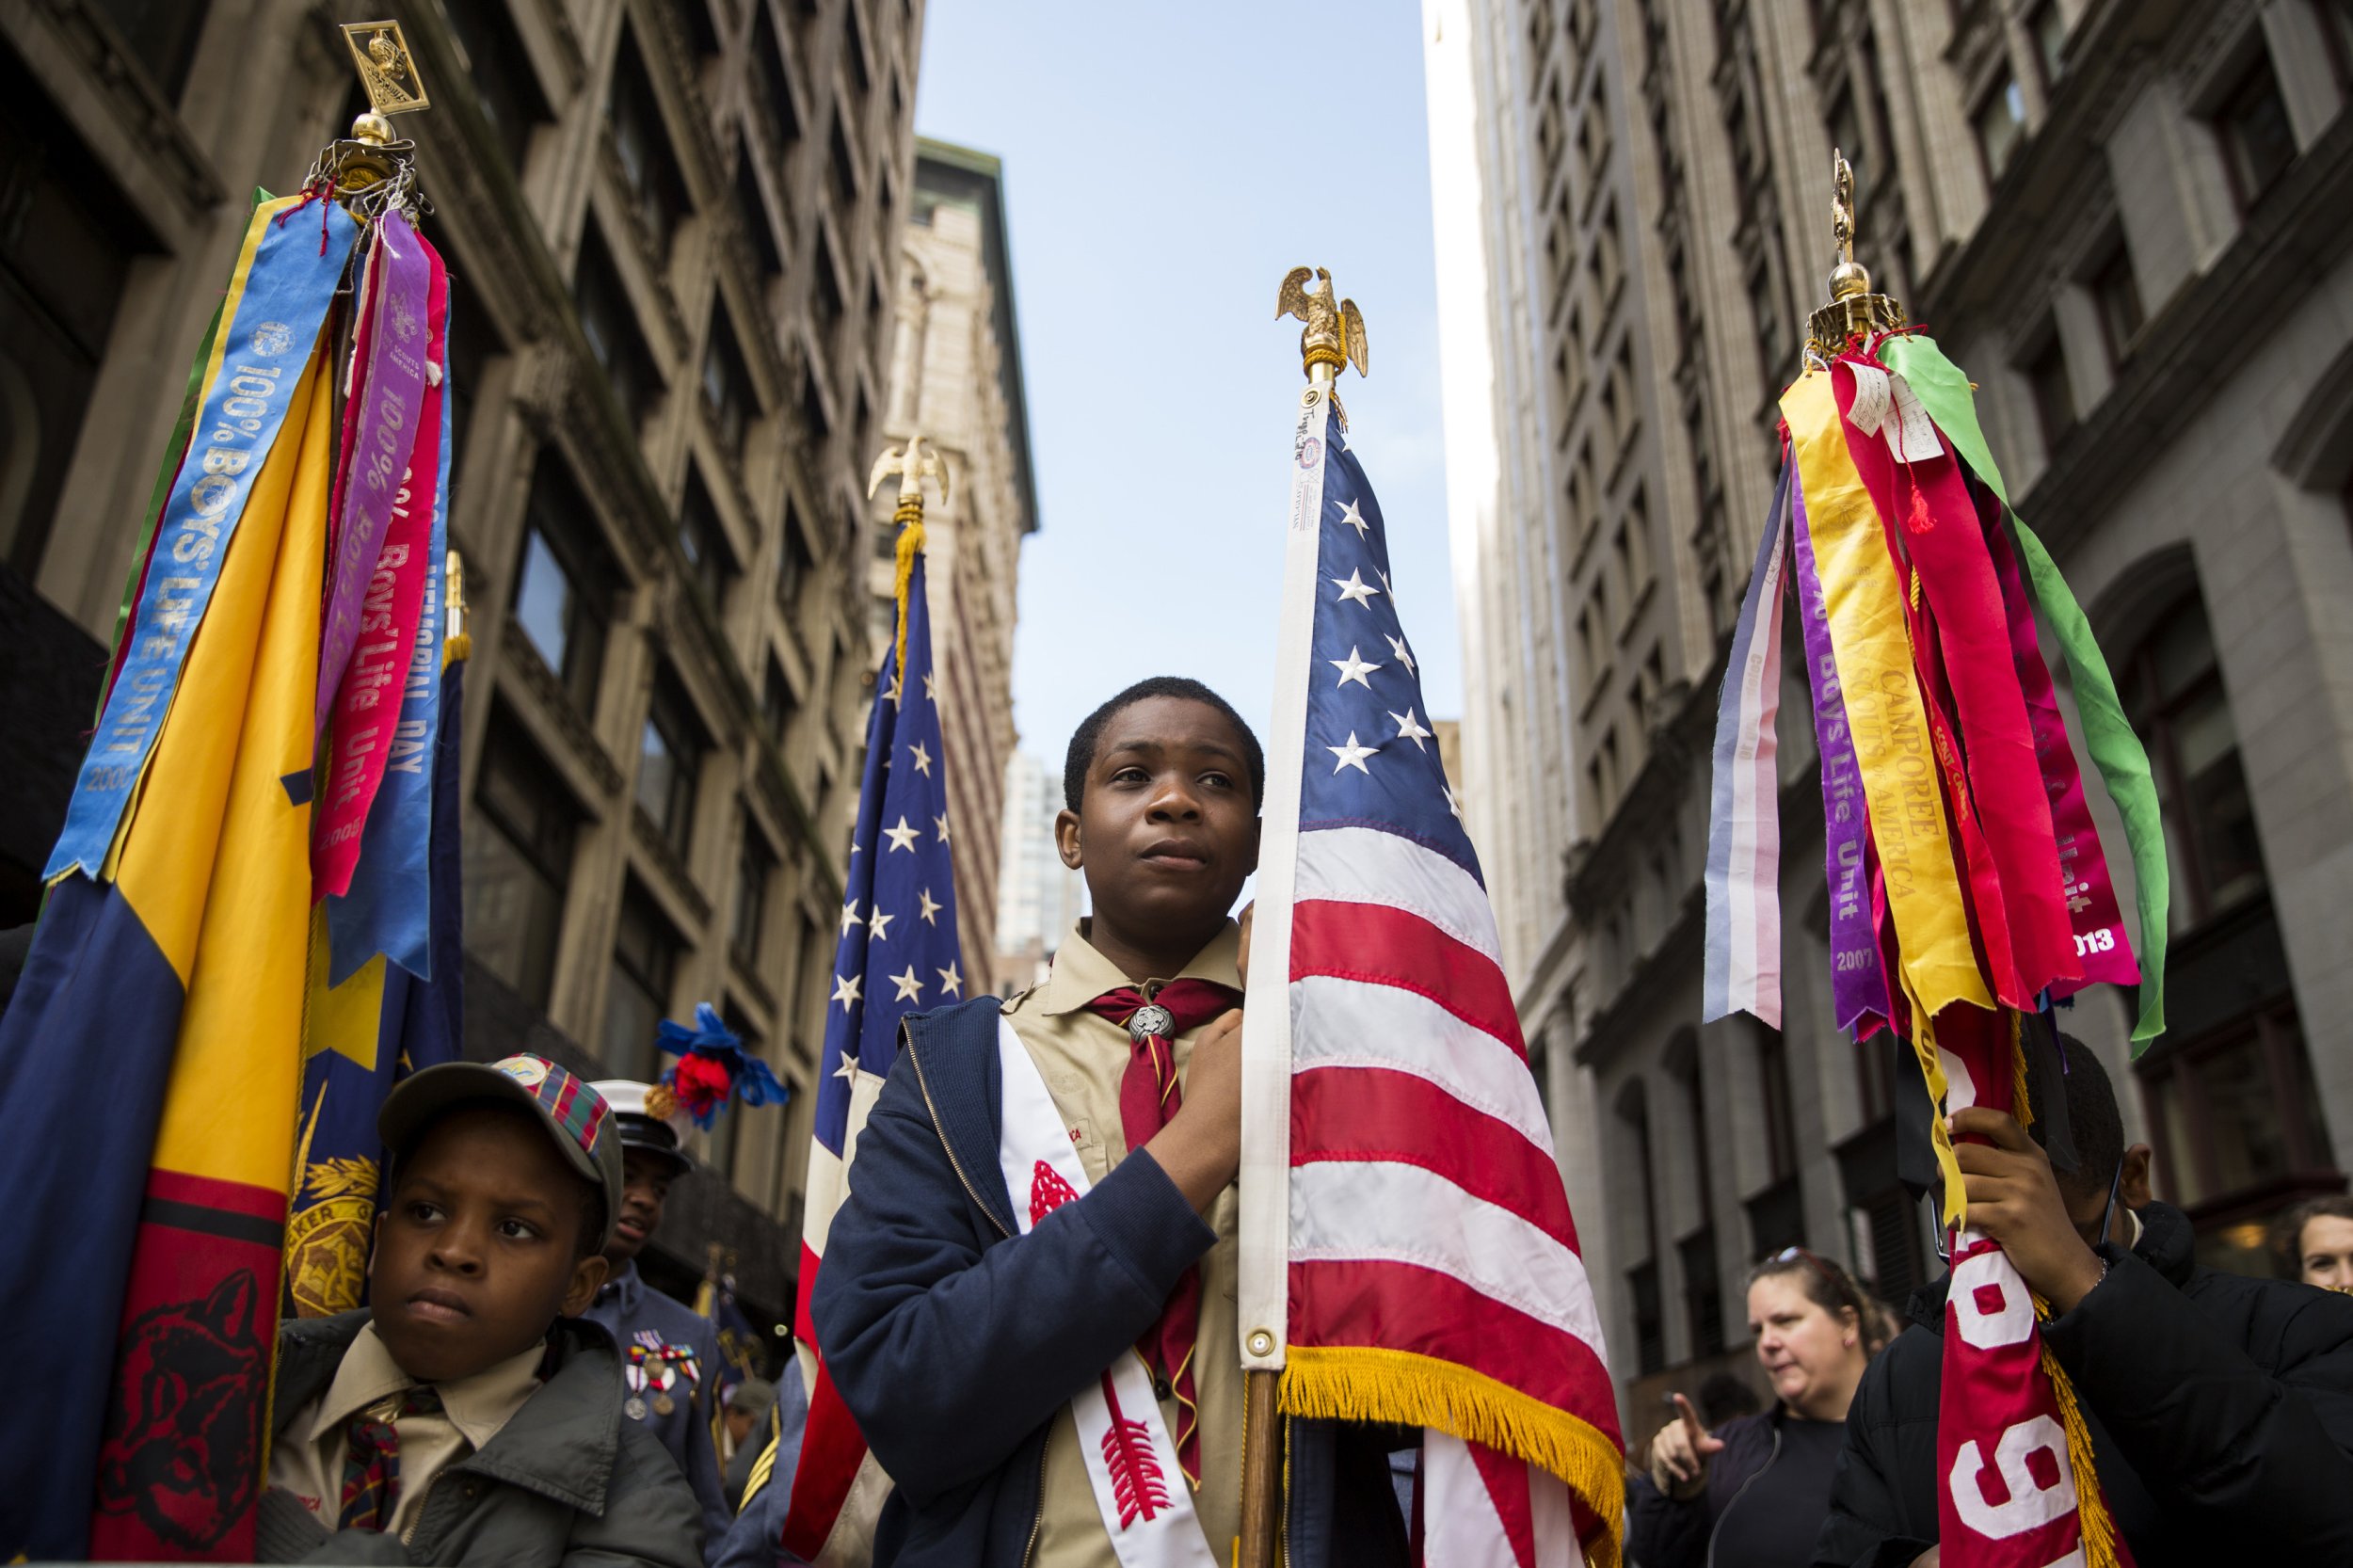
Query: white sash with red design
x,y
1142,1494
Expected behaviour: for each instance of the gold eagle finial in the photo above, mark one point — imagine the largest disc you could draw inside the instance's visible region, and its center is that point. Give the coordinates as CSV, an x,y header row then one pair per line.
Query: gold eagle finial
x,y
1335,334
913,465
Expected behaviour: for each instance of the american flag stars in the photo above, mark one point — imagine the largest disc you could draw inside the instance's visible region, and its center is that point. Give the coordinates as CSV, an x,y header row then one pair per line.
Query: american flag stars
x,y
901,836
1366,711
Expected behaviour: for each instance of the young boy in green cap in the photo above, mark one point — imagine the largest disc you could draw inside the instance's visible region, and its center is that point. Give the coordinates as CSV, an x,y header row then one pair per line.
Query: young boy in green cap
x,y
463,1417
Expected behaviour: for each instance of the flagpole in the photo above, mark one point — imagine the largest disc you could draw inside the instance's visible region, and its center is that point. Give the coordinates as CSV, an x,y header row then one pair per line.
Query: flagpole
x,y
1334,336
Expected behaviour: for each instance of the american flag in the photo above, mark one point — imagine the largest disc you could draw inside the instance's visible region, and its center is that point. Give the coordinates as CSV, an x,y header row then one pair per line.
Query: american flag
x,y
897,955
1432,1274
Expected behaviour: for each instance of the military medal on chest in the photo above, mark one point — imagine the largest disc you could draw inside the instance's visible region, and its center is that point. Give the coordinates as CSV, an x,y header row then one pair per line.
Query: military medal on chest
x,y
657,1366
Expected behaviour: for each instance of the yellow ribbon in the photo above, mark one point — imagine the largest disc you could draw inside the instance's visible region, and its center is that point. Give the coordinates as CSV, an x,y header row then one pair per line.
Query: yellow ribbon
x,y
1864,599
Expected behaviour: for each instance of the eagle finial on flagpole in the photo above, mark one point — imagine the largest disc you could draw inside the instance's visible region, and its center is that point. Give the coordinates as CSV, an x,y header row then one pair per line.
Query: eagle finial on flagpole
x,y
1335,334
913,465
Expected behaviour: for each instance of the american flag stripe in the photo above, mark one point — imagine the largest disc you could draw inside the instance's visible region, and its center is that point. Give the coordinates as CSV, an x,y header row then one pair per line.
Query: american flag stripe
x,y
1339,1023
1453,1322
1346,1210
1370,865
1358,1113
1485,1510
1388,947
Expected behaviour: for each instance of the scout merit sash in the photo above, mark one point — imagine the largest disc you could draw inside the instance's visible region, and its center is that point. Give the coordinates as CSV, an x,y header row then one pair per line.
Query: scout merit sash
x,y
1139,1490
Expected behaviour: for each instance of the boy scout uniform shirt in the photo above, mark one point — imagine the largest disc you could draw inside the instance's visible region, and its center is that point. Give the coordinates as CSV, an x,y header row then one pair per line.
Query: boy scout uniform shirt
x,y
1082,1056
473,1411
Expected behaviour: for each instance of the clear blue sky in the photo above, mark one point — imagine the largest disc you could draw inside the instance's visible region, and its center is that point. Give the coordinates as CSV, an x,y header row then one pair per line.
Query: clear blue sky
x,y
1164,166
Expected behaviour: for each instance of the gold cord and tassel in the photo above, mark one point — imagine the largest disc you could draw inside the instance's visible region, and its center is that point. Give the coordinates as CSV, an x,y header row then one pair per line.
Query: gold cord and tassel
x,y
909,517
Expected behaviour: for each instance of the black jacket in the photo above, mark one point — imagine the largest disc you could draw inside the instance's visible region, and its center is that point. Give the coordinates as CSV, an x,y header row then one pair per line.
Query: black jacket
x,y
1662,1532
2221,1408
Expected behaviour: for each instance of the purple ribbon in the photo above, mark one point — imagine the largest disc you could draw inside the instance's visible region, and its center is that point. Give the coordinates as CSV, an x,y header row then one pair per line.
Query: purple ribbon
x,y
1858,985
376,456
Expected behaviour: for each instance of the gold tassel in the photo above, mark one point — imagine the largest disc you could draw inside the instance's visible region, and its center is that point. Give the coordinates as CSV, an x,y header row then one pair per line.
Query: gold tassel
x,y
2021,1098
2091,1507
1353,1383
909,517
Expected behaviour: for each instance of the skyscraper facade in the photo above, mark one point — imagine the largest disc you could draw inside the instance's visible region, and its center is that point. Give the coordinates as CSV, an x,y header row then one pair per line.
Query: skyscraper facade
x,y
2127,220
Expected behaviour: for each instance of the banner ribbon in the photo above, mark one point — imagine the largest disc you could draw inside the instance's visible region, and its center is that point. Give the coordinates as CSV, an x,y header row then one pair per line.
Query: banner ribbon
x,y
278,298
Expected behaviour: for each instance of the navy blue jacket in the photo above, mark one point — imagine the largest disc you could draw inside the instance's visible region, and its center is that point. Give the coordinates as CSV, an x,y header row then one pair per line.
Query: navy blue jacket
x,y
955,1340
626,1306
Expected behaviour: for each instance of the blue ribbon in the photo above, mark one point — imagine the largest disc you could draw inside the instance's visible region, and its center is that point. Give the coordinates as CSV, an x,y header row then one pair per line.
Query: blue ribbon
x,y
288,288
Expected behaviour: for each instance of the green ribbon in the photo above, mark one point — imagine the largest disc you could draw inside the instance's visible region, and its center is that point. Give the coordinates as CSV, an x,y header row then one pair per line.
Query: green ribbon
x,y
2116,751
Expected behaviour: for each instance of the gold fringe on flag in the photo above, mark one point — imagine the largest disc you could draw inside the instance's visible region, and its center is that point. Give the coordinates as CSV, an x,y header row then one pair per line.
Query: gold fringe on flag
x,y
1355,1382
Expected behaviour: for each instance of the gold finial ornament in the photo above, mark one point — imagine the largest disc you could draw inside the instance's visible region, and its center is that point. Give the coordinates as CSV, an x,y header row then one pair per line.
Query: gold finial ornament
x,y
457,642
1853,308
913,465
1335,334
370,169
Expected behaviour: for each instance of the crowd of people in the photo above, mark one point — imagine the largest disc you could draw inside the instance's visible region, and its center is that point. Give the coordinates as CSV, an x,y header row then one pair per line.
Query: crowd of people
x,y
2220,1406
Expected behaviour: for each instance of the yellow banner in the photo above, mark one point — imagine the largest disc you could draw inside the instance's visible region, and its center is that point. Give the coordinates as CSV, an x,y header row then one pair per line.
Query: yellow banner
x,y
1884,712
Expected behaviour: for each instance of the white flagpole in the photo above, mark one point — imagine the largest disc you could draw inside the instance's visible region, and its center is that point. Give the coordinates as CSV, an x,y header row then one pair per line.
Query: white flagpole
x,y
1263,1290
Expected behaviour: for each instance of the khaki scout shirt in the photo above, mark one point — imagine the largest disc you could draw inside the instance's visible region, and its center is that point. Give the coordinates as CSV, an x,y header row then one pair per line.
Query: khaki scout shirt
x,y
1082,1056
473,1410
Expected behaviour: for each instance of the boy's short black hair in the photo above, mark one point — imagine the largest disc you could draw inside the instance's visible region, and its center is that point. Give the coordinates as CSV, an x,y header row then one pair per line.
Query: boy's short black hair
x,y
2093,1121
592,1216
1090,731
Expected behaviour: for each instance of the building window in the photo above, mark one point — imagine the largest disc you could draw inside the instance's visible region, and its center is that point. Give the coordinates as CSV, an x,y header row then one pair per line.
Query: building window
x,y
2050,39
1650,1320
610,325
704,542
506,83
638,992
774,84
2117,295
793,561
751,211
1780,1130
777,706
2258,141
563,593
2238,1112
753,862
728,395
517,850
2172,692
2053,394
2001,123
843,165
1772,345
1702,1293
657,187
669,764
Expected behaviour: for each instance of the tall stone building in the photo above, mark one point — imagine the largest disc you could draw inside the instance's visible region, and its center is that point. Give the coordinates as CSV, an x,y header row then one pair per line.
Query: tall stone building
x,y
955,378
2129,220
671,228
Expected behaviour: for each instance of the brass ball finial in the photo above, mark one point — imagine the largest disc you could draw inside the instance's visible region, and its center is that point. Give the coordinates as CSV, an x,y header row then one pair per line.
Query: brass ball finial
x,y
372,128
1848,280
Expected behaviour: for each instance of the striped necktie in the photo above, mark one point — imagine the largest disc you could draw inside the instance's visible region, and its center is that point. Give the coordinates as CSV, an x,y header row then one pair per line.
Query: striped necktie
x,y
1149,1097
372,1457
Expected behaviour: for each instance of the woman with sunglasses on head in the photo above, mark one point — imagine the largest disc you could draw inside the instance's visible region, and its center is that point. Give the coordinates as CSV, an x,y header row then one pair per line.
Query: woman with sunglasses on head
x,y
1752,1493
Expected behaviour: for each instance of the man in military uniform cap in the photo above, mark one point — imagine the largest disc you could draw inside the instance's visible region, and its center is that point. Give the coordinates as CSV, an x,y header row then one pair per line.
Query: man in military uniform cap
x,y
669,1352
